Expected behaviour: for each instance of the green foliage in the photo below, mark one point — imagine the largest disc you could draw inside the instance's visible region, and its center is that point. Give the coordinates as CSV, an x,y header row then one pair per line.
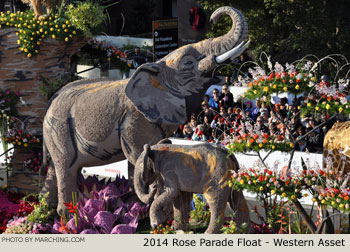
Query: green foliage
x,y
288,30
86,16
200,214
50,87
41,213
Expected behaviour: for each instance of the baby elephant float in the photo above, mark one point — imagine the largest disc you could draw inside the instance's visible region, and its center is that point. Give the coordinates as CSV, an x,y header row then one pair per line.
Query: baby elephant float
x,y
101,121
181,170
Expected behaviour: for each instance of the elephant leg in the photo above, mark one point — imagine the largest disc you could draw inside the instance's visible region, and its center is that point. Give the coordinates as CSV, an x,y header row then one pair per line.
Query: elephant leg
x,y
168,196
239,205
182,210
50,186
217,200
66,183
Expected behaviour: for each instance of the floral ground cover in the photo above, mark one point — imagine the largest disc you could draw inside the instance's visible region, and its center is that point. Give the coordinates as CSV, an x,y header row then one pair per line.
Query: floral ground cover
x,y
102,208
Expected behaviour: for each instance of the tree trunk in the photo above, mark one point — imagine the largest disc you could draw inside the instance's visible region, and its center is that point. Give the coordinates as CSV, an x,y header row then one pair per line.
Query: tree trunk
x,y
20,74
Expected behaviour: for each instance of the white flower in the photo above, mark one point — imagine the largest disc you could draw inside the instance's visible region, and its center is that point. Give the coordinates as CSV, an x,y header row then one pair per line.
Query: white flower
x,y
279,68
343,100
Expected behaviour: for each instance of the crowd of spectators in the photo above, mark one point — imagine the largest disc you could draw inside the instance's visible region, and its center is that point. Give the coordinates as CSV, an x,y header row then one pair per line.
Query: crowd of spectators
x,y
221,118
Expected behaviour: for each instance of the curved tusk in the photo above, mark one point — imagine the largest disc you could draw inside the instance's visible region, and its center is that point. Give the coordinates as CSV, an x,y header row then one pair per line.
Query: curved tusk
x,y
233,53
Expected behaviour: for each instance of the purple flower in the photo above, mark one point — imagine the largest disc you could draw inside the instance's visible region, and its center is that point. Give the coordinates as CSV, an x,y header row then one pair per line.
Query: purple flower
x,y
105,220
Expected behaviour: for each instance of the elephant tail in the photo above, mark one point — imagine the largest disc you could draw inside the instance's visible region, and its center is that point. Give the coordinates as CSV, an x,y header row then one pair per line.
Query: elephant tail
x,y
44,163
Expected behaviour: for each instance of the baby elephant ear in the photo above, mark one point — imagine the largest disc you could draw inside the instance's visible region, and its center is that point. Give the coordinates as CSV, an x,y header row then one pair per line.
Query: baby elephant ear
x,y
147,90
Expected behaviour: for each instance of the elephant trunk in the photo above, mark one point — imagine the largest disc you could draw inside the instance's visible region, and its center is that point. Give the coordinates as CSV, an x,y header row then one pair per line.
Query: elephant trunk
x,y
141,190
139,179
237,34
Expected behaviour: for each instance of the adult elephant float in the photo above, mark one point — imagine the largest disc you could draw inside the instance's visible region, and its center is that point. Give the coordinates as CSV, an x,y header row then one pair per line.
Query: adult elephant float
x,y
100,121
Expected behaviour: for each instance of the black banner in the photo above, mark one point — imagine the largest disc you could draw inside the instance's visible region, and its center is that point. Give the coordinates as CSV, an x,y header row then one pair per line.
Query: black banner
x,y
165,37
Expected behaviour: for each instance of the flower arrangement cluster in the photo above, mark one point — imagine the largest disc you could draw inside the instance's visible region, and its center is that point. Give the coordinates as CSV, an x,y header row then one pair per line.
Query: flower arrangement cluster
x,y
8,101
321,96
33,162
12,209
107,54
327,98
81,19
20,138
102,210
259,141
281,80
164,229
327,188
31,32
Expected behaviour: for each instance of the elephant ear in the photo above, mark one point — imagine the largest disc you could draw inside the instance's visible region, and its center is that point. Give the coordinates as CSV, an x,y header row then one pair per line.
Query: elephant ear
x,y
148,90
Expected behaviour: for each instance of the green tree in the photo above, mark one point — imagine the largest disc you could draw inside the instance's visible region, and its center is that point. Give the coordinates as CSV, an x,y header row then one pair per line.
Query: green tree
x,y
290,29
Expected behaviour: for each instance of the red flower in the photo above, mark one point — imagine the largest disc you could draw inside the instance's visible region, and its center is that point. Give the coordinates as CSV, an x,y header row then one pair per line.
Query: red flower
x,y
261,178
71,208
256,136
63,227
269,172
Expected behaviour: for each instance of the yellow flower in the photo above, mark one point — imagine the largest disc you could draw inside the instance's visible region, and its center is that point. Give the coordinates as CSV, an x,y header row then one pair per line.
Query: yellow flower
x,y
313,200
273,191
285,89
284,195
340,109
53,36
25,145
333,203
25,50
249,144
273,147
19,143
341,205
328,106
274,86
261,188
292,197
291,145
67,22
309,104
38,42
323,201
299,107
261,145
64,26
254,181
74,32
51,29
36,51
255,92
66,39
266,89
18,42
241,181
317,108
297,87
313,78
